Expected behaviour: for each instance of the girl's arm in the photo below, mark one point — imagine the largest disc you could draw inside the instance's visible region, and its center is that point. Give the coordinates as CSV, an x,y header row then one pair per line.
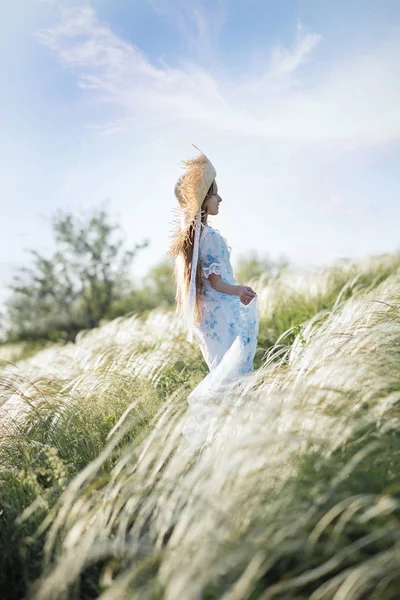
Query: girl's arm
x,y
245,293
221,286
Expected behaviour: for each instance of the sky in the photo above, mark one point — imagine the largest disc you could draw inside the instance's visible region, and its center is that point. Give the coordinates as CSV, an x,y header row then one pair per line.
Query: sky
x,y
296,103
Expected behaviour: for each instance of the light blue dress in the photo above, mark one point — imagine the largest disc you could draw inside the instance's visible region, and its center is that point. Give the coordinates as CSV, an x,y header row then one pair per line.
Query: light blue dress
x,y
225,318
227,337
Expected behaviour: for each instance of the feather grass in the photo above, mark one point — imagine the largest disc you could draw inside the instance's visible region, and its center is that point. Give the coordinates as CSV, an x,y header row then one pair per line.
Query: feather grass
x,y
297,497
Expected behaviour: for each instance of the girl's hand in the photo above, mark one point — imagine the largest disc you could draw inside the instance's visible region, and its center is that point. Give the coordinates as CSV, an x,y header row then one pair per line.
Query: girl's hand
x,y
246,294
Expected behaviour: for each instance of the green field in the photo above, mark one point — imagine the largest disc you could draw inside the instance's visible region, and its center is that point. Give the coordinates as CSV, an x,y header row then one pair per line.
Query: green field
x,y
298,498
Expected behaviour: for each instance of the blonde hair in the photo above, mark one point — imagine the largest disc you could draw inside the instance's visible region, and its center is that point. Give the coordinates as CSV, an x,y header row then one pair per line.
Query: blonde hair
x,y
182,252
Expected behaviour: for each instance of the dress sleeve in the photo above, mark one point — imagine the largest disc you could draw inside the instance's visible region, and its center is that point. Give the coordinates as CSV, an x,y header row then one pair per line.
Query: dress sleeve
x,y
210,253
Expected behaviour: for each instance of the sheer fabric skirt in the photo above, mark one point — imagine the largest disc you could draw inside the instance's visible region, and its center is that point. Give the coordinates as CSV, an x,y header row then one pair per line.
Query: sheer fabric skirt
x,y
227,337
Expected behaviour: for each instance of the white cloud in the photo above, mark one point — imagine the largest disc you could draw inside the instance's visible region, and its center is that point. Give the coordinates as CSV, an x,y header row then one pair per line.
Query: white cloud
x,y
119,74
199,26
284,60
354,102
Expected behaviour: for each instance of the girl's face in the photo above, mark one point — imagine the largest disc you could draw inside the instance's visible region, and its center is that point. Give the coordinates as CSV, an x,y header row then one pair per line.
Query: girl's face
x,y
213,201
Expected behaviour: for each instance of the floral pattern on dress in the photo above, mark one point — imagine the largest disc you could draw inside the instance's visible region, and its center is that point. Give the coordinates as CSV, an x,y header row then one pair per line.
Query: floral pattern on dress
x,y
225,318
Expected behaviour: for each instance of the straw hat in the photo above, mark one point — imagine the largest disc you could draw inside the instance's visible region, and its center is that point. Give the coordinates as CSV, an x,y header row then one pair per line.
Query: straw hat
x,y
191,190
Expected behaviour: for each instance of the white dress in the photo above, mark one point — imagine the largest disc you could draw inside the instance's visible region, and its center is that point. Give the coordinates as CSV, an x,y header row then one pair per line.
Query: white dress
x,y
227,335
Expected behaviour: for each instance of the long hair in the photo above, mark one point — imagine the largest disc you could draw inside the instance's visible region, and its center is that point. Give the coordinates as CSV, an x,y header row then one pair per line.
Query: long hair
x,y
183,254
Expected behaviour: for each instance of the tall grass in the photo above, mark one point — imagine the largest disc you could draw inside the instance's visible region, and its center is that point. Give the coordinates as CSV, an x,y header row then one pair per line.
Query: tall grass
x,y
296,497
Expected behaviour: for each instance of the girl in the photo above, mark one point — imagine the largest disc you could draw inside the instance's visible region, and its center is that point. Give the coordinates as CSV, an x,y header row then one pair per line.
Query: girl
x,y
222,314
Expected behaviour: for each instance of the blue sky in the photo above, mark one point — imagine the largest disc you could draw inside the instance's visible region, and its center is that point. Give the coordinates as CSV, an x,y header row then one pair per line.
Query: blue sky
x,y
295,102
